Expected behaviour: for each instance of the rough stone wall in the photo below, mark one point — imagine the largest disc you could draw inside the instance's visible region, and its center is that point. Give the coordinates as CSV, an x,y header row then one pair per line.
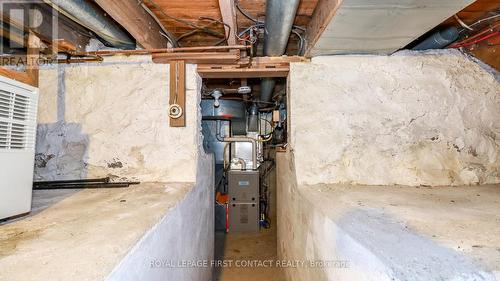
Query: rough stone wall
x,y
412,119
111,119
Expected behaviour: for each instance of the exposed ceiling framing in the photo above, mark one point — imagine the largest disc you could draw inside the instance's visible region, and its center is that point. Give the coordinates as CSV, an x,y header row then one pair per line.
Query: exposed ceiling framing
x,y
372,27
175,13
142,26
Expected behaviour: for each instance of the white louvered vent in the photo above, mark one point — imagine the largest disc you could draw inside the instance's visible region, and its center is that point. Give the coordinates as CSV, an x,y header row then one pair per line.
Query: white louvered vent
x,y
18,107
17,121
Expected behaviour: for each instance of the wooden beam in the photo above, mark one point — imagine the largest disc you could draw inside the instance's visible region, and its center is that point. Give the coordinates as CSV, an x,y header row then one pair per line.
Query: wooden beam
x,y
16,75
250,68
178,92
323,14
234,71
136,21
227,10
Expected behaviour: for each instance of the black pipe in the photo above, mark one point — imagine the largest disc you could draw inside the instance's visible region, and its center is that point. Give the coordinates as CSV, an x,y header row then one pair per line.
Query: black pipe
x,y
84,186
81,184
101,180
439,39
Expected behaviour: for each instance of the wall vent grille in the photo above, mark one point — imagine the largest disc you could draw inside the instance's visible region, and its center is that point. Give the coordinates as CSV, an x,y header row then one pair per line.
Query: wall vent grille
x,y
17,121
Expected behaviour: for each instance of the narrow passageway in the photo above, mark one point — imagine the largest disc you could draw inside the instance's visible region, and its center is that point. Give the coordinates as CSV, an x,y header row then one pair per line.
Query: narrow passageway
x,y
242,249
246,255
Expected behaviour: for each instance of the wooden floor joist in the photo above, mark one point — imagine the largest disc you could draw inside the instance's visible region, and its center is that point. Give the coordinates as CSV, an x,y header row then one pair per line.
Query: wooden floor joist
x,y
136,21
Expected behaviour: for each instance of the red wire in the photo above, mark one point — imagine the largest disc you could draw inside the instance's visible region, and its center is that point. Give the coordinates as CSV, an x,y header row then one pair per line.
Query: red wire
x,y
477,40
467,40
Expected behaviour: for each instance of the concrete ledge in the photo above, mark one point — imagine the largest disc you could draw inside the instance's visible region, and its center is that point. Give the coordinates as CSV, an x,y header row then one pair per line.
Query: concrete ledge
x,y
88,233
388,232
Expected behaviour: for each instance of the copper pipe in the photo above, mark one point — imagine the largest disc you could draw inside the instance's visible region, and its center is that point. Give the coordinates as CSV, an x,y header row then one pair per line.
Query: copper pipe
x,y
165,50
198,58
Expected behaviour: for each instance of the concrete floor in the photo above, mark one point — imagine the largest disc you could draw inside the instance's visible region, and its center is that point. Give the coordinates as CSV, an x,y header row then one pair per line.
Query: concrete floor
x,y
260,246
247,247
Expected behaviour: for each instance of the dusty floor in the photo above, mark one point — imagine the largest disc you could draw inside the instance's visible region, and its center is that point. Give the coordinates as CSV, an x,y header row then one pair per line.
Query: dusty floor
x,y
241,248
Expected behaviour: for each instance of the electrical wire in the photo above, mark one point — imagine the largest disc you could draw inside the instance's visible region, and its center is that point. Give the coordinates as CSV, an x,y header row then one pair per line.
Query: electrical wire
x,y
253,39
192,32
470,39
301,42
477,40
245,13
226,37
265,139
170,37
480,21
301,50
270,124
463,24
204,29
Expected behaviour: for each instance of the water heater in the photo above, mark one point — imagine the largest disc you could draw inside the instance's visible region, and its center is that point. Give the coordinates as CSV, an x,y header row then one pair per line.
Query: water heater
x,y
18,111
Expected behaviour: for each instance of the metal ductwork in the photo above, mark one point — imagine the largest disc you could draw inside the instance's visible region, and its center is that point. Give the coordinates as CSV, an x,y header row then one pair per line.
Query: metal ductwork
x,y
92,17
280,16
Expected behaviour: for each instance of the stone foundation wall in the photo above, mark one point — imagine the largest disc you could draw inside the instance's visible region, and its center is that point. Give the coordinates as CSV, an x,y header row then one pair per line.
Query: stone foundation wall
x,y
410,119
110,119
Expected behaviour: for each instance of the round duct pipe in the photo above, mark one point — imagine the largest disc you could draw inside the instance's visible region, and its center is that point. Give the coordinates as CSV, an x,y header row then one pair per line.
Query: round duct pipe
x,y
92,17
280,16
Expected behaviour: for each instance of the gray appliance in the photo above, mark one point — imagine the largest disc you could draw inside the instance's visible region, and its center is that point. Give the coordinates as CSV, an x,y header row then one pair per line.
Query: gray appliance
x,y
243,191
244,217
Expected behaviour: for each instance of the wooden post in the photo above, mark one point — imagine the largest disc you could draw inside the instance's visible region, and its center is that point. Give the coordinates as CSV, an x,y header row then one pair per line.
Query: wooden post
x,y
32,56
177,93
228,13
